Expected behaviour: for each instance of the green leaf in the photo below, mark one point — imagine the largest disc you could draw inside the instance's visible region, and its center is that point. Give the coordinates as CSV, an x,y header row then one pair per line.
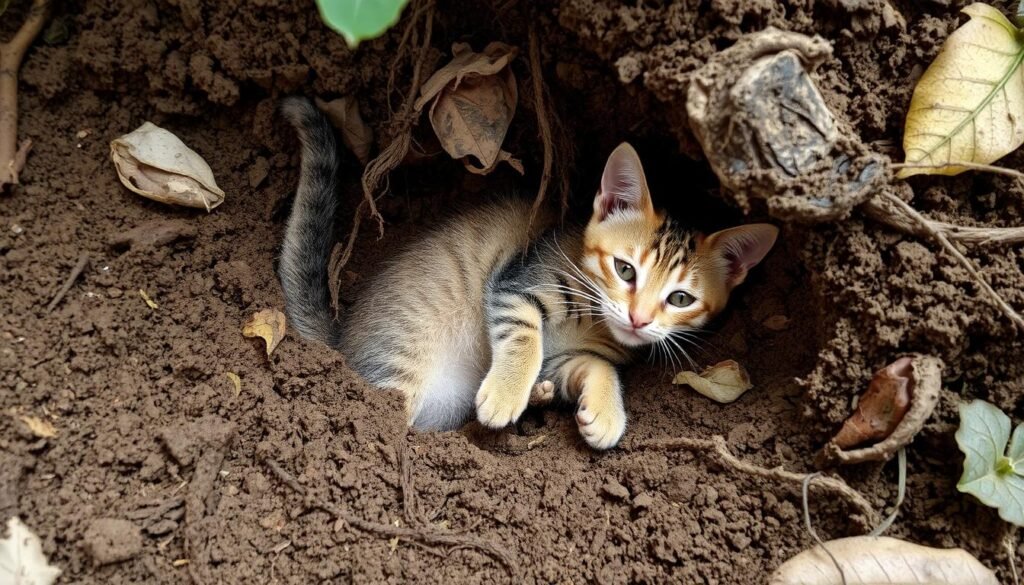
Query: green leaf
x,y
992,474
360,20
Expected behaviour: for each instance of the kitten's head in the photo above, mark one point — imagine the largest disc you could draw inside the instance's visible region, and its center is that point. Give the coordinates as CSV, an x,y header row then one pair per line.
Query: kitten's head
x,y
656,278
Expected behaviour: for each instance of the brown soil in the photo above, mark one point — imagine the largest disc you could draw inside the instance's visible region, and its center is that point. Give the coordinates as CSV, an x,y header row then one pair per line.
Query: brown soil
x,y
158,460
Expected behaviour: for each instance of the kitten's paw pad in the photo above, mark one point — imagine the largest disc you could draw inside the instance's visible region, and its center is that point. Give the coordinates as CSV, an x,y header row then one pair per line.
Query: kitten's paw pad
x,y
542,393
601,426
498,406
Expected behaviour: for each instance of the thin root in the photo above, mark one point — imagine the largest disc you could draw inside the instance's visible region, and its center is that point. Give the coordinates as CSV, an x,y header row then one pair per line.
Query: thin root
x,y
966,263
967,165
827,485
424,535
880,209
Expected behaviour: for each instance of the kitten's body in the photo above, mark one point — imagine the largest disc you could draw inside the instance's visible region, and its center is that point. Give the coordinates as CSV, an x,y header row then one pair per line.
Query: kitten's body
x,y
490,310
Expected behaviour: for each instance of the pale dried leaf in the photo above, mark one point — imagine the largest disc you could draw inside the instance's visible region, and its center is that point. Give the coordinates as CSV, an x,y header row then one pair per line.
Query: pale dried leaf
x,y
473,100
22,561
723,382
344,115
268,324
235,381
968,106
39,427
880,560
157,165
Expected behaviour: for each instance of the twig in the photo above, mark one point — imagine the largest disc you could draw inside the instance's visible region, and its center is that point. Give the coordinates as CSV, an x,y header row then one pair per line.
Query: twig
x,y
543,125
717,445
880,209
12,158
423,535
967,264
83,261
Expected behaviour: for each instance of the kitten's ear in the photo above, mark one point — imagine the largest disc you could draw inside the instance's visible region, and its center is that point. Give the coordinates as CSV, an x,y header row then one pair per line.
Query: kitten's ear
x,y
623,185
739,249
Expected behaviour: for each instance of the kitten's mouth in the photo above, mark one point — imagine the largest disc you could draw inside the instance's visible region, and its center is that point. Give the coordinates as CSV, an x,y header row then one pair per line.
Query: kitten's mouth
x,y
628,336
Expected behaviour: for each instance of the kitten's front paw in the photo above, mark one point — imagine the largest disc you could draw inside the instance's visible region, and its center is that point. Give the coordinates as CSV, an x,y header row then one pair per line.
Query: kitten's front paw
x,y
542,393
601,423
498,405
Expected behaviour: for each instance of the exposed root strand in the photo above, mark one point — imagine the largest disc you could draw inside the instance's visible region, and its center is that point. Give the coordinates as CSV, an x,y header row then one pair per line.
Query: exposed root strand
x,y
963,260
827,485
424,535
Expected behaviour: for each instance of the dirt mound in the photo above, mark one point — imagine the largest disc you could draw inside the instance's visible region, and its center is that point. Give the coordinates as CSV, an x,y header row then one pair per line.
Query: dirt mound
x,y
152,432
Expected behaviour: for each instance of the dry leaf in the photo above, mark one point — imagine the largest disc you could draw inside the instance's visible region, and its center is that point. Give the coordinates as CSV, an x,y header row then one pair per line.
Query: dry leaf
x,y
881,407
39,427
268,324
969,104
474,98
22,561
152,304
235,381
157,165
344,115
880,560
723,382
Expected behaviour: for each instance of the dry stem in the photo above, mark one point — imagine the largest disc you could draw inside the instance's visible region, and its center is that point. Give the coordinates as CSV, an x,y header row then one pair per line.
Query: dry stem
x,y
12,158
963,260
717,445
425,535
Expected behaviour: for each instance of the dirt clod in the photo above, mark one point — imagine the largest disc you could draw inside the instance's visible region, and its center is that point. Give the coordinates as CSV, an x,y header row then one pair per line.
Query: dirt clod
x,y
112,540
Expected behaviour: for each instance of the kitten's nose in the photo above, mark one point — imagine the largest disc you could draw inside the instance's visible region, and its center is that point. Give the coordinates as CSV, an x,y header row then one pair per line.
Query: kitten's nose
x,y
638,321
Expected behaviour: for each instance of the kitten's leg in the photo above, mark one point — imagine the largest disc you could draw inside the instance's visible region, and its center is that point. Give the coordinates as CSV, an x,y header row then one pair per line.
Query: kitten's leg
x,y
594,384
514,323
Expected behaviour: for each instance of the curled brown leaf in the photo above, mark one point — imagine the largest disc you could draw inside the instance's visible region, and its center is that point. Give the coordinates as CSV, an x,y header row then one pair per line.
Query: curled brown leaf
x,y
268,324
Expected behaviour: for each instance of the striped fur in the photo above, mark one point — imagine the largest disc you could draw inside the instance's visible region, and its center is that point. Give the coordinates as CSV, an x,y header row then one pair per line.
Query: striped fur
x,y
488,313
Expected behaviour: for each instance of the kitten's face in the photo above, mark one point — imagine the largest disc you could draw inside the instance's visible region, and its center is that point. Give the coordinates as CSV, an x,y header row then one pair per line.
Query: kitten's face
x,y
657,279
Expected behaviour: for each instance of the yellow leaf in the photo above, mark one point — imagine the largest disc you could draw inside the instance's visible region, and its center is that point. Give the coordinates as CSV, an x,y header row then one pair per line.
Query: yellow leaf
x,y
968,106
236,381
268,324
723,382
39,427
152,304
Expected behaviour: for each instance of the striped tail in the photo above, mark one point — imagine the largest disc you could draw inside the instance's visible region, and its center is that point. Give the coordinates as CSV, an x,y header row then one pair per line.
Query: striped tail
x,y
310,233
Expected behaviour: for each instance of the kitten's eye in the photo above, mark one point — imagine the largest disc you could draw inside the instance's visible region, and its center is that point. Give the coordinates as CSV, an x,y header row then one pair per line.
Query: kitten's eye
x,y
681,299
625,270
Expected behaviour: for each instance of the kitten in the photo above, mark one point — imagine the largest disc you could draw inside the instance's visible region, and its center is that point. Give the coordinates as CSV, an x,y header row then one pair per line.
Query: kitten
x,y
486,314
